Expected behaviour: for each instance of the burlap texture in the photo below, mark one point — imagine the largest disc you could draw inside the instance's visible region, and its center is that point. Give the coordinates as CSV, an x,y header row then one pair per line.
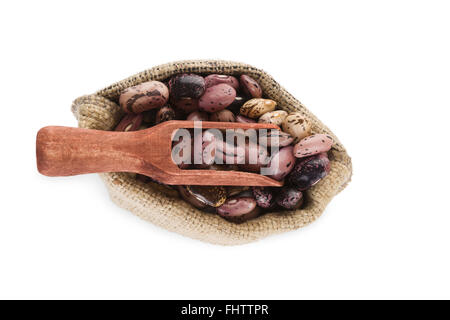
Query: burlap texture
x,y
101,111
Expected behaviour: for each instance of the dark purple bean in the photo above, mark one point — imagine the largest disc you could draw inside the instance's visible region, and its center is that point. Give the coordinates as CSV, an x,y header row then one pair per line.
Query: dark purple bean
x,y
308,171
289,198
186,86
264,197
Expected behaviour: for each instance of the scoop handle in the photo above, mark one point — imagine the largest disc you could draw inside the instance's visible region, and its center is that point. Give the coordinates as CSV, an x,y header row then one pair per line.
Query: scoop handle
x,y
66,151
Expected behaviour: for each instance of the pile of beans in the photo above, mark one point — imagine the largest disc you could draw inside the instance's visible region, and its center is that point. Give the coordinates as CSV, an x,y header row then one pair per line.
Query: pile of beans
x,y
302,156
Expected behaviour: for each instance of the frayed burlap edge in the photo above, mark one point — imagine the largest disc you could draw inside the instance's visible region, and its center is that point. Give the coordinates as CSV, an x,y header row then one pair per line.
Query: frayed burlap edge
x,y
101,111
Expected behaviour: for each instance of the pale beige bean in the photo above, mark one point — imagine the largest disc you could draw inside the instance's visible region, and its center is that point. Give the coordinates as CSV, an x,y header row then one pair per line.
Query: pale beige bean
x,y
275,117
256,107
297,126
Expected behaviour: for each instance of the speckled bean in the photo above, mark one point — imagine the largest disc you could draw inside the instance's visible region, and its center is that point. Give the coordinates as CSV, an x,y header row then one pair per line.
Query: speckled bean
x,y
274,117
144,96
297,126
214,79
250,86
234,206
315,144
276,138
289,198
263,196
282,163
256,107
217,98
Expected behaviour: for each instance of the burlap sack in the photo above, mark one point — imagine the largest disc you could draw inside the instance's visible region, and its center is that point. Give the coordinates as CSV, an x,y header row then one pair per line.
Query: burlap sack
x,y
101,111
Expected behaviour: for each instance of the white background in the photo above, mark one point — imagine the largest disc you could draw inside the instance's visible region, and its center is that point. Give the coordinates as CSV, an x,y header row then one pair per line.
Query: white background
x,y
376,72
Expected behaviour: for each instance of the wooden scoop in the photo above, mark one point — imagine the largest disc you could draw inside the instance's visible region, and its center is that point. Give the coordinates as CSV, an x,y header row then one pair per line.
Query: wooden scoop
x,y
65,151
